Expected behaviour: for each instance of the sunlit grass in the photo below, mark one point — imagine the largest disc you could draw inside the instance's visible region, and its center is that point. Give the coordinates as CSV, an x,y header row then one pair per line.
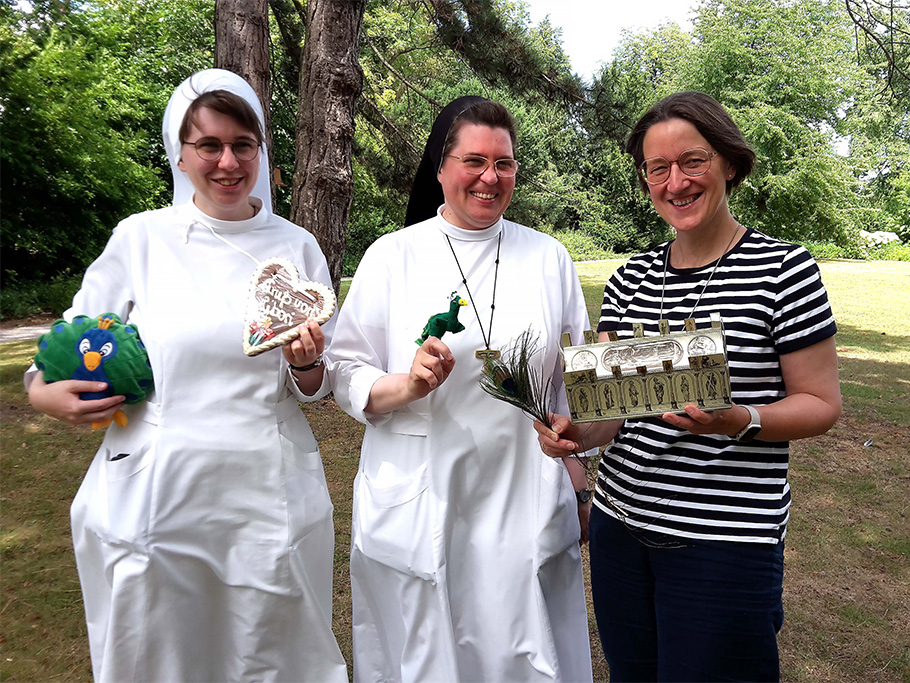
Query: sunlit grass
x,y
871,302
847,550
593,275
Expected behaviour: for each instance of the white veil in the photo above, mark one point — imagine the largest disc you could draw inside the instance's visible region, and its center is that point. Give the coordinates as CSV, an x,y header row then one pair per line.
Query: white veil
x,y
186,92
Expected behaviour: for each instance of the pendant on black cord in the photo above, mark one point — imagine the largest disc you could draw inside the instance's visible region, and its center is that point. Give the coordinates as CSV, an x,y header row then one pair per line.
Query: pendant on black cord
x,y
486,354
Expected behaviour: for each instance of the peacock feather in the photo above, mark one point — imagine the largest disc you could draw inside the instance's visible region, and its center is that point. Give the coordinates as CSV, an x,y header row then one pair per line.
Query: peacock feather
x,y
514,379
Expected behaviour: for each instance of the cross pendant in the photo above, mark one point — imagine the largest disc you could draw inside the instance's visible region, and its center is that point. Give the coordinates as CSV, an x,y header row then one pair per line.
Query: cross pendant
x,y
486,354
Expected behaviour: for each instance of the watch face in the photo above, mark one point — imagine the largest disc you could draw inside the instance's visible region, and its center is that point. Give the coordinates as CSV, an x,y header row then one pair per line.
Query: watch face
x,y
583,496
752,429
750,433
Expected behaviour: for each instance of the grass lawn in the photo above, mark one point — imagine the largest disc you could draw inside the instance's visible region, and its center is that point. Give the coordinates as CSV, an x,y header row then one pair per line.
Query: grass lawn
x,y
847,583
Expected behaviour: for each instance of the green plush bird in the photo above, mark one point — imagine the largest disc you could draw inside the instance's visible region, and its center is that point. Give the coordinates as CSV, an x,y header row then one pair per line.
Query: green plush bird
x,y
98,349
441,323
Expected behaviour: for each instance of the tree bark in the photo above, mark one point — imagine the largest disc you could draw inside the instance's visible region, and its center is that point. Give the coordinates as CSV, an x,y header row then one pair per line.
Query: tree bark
x,y
242,46
330,82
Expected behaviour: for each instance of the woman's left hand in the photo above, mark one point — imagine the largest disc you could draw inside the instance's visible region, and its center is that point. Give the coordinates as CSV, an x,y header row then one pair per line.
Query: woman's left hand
x,y
811,406
307,347
729,421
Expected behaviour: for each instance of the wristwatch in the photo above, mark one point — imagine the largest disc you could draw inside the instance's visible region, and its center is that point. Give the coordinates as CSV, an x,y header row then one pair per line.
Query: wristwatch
x,y
583,496
751,430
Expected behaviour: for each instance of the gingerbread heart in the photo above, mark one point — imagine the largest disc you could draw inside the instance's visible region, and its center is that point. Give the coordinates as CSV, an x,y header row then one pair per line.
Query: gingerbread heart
x,y
279,301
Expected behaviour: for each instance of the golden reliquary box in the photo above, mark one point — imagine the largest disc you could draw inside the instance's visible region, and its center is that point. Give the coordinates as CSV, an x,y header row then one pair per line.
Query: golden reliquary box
x,y
645,376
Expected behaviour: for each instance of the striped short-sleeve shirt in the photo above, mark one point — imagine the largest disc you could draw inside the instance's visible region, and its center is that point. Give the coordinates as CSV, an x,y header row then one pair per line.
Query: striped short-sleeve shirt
x,y
771,299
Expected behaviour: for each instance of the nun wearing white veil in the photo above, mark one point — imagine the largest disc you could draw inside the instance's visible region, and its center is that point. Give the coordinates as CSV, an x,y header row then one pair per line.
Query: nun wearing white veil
x,y
203,529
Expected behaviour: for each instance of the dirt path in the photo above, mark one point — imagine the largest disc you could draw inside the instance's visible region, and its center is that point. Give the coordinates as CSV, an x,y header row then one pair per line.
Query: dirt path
x,y
24,328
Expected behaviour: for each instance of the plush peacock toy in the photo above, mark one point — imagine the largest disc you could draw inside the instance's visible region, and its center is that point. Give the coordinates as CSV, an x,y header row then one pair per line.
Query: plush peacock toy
x,y
441,323
101,349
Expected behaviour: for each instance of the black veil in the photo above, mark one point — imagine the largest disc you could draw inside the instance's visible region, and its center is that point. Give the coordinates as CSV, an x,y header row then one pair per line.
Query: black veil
x,y
426,193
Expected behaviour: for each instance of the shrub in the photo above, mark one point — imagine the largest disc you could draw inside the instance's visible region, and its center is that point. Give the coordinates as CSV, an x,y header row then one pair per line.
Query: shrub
x,y
830,250
893,251
24,299
581,245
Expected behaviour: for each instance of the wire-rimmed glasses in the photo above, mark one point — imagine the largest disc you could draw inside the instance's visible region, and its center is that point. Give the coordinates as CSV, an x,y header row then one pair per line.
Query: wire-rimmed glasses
x,y
692,162
474,164
211,149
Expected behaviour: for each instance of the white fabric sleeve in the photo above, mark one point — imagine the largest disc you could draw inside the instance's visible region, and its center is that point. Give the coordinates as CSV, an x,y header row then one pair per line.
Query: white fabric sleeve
x,y
106,286
358,355
316,269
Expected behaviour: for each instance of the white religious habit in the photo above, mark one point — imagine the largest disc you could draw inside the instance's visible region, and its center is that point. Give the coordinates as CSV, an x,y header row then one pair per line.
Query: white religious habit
x,y
465,562
203,529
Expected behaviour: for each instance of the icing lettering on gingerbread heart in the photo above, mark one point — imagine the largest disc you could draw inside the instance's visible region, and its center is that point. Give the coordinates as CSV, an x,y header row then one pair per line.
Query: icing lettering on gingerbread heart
x,y
278,302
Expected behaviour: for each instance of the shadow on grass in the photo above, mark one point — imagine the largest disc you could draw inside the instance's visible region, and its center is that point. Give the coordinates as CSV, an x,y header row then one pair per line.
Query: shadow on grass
x,y
847,554
875,378
852,338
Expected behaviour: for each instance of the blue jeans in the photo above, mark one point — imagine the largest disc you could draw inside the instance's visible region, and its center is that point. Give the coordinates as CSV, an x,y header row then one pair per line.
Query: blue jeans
x,y
675,609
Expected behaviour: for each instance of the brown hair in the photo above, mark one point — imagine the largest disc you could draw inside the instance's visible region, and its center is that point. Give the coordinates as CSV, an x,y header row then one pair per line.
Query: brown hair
x,y
227,103
712,121
484,113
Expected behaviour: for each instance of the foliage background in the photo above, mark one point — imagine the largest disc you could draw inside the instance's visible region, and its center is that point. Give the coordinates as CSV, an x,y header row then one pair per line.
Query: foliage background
x,y
824,102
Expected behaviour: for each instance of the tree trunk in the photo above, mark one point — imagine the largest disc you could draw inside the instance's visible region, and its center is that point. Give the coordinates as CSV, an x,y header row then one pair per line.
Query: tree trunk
x,y
242,46
330,82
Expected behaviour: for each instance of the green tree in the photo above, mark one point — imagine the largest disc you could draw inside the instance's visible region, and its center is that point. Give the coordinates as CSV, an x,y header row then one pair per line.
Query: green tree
x,y
623,90
897,205
787,73
416,57
879,123
883,39
84,89
69,168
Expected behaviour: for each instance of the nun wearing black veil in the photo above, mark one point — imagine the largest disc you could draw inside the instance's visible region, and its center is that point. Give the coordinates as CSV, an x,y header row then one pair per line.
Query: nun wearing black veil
x,y
465,559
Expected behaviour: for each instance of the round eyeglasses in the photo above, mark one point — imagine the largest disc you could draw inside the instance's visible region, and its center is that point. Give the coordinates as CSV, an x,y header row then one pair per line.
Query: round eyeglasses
x,y
211,149
692,162
474,164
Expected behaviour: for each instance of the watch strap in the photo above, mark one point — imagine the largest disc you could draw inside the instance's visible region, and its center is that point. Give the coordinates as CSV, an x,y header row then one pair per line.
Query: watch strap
x,y
751,430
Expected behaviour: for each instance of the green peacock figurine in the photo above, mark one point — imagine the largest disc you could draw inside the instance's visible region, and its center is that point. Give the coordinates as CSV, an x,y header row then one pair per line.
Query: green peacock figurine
x,y
441,323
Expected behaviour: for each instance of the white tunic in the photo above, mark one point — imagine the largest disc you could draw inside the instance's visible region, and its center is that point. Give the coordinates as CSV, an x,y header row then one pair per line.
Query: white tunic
x,y
205,554
465,563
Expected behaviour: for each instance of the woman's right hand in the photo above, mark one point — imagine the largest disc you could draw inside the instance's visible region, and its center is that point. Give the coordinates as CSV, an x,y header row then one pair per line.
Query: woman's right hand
x,y
432,364
553,439
61,400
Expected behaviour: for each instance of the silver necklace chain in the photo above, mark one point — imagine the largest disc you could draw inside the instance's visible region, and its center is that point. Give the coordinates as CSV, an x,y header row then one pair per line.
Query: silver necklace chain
x,y
663,287
464,281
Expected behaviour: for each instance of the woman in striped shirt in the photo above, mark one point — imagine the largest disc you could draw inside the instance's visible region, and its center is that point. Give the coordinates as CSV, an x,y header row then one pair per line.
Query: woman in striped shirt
x,y
690,511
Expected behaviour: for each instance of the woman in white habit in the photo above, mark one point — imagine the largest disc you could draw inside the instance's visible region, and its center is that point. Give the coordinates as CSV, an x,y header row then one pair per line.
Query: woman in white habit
x,y
203,529
465,562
